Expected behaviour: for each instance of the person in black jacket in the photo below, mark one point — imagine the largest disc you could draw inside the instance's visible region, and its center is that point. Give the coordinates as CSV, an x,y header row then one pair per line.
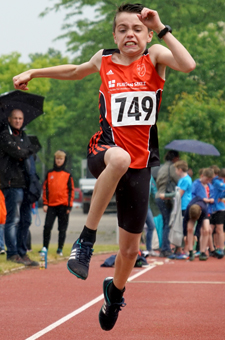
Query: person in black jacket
x,y
15,148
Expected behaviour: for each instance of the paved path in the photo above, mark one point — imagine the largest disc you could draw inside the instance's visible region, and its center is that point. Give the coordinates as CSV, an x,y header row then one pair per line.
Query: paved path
x,y
107,230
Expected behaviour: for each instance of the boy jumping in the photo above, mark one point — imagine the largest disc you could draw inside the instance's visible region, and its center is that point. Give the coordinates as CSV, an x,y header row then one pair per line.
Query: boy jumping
x,y
122,153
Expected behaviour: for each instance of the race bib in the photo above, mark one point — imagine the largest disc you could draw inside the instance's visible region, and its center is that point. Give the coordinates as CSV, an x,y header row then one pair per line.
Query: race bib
x,y
133,108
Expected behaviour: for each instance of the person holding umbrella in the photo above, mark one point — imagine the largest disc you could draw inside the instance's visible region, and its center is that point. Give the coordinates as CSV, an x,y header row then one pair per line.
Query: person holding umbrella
x,y
15,148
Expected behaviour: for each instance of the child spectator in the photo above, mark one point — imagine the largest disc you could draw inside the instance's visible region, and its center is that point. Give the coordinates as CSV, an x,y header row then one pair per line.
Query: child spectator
x,y
196,211
2,222
203,188
218,213
58,194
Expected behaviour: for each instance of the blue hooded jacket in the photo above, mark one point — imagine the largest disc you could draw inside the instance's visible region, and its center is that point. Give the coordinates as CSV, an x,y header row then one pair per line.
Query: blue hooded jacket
x,y
199,190
219,192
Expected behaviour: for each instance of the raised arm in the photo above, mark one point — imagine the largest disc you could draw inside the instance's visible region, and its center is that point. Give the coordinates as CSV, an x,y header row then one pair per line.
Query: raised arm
x,y
175,56
62,72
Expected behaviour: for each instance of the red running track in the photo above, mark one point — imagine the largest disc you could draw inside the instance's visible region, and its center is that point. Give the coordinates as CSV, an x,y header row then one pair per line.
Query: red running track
x,y
169,300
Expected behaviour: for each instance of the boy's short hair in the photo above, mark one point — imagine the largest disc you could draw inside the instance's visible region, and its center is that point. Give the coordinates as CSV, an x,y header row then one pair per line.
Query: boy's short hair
x,y
208,172
181,165
129,8
200,171
194,212
216,169
60,154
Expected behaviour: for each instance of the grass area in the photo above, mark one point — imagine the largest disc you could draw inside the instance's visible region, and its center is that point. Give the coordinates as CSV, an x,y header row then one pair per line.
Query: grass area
x,y
7,266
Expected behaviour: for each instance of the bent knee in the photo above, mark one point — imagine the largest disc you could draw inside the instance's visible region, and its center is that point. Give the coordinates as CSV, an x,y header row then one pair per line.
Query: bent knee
x,y
119,160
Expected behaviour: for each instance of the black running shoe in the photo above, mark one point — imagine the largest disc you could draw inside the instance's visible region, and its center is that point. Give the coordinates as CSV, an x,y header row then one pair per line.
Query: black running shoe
x,y
203,257
78,263
109,312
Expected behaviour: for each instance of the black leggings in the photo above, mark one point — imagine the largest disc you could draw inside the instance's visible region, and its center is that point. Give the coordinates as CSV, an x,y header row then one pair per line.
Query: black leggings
x,y
132,194
63,219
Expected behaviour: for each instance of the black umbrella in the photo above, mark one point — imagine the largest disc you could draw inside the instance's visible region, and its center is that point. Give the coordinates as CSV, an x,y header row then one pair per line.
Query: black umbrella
x,y
31,105
194,146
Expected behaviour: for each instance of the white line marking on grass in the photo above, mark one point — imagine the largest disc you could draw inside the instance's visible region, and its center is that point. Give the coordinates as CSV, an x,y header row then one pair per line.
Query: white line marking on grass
x,y
79,310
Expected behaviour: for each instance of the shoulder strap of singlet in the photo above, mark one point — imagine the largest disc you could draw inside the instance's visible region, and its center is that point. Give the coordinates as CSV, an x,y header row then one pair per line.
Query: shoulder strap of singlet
x,y
110,51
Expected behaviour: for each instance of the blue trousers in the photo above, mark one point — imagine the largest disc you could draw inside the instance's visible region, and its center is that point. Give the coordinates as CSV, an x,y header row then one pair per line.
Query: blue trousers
x,y
2,243
150,228
18,221
165,210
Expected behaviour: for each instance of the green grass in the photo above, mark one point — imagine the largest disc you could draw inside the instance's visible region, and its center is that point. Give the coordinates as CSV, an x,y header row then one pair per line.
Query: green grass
x,y
7,266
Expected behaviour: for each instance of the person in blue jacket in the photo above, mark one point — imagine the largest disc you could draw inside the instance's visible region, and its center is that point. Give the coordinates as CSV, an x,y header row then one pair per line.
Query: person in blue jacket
x,y
218,213
203,188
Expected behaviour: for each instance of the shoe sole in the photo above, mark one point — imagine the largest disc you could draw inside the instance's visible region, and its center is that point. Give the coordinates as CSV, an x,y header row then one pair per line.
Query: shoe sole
x,y
78,276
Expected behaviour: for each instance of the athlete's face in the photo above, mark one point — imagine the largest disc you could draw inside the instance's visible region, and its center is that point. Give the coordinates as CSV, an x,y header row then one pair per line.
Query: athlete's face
x,y
131,36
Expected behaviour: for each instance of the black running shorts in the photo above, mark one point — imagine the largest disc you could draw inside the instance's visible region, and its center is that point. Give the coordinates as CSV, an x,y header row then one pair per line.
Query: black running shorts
x,y
217,217
132,194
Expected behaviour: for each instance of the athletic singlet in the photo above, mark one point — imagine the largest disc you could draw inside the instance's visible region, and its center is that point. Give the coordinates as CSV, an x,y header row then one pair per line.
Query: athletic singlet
x,y
129,102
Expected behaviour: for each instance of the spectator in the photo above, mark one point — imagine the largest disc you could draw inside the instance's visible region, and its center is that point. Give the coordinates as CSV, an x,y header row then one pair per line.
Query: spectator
x,y
196,211
218,213
165,174
2,222
58,194
15,148
203,188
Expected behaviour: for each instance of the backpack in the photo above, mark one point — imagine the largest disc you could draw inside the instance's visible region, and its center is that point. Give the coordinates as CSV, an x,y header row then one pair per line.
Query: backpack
x,y
34,186
34,189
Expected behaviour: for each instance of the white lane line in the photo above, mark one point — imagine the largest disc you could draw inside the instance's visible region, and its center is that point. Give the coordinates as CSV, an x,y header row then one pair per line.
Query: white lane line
x,y
186,282
79,310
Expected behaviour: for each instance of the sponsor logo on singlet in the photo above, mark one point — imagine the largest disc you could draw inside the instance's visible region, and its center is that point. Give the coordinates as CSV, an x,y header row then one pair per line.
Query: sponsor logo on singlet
x,y
141,70
109,73
112,83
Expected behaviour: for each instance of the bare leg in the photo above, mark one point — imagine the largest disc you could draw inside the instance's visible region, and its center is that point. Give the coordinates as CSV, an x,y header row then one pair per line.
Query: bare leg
x,y
190,229
204,235
126,257
210,242
220,237
117,163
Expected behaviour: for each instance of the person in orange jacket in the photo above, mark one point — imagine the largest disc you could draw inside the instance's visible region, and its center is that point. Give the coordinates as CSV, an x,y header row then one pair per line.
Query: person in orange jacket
x,y
58,194
2,222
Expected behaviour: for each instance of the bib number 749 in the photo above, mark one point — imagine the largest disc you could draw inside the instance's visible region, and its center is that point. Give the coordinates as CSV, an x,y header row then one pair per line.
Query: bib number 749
x,y
133,108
